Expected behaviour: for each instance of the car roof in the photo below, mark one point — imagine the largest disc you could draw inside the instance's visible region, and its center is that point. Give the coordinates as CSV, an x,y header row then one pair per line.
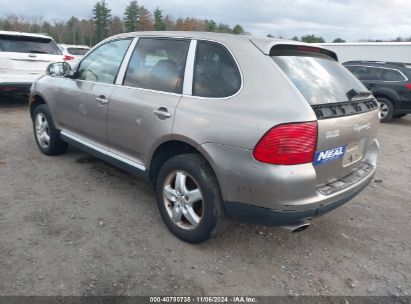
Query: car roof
x,y
74,46
396,65
23,34
264,44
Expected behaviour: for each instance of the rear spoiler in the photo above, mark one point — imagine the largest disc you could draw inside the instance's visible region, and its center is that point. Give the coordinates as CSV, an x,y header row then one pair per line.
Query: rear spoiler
x,y
280,49
270,46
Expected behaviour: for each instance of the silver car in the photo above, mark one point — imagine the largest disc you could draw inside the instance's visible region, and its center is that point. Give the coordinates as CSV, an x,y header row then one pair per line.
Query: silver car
x,y
264,131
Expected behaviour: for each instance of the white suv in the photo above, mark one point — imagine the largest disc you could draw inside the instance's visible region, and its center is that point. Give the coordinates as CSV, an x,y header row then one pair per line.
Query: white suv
x,y
23,58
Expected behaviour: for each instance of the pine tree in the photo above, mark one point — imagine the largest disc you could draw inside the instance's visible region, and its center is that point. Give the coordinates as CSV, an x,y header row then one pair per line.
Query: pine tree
x,y
159,24
132,17
145,22
101,19
211,25
238,29
312,39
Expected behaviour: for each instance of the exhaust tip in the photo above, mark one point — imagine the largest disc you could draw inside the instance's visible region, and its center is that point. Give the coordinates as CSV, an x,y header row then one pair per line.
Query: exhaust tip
x,y
297,227
300,228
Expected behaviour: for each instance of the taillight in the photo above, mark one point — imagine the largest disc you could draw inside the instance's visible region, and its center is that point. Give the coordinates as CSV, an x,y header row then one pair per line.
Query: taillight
x,y
408,86
68,57
288,144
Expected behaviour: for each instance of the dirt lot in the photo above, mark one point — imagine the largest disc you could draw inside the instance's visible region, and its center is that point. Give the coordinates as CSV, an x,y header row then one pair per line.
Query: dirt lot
x,y
73,225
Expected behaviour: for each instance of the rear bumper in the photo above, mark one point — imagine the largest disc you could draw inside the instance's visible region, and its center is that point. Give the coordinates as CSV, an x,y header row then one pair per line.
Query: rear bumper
x,y
269,217
17,84
15,88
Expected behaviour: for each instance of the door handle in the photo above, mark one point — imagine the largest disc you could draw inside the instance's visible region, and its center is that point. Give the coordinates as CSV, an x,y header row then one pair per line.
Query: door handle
x,y
102,100
32,56
162,113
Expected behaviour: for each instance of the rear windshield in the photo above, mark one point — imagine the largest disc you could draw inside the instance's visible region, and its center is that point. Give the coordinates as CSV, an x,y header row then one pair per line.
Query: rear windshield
x,y
319,78
77,51
20,44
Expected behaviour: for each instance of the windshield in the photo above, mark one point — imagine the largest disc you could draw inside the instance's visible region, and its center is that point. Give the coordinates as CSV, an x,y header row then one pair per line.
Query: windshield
x,y
77,51
319,78
20,44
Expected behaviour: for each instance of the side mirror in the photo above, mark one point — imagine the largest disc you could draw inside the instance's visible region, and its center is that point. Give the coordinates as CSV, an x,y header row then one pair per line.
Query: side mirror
x,y
59,69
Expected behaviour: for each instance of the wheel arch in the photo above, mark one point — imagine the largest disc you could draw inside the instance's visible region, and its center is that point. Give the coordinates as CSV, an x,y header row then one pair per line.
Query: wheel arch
x,y
35,100
171,148
386,93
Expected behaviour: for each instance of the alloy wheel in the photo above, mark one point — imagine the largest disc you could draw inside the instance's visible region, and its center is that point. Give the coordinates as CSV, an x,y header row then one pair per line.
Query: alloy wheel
x,y
383,109
42,130
183,200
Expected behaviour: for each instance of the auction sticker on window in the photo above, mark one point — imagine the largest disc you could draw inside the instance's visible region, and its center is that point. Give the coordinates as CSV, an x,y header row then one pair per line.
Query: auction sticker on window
x,y
325,156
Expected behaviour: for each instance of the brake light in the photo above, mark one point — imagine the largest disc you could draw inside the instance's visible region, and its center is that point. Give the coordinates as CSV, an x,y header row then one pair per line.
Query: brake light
x,y
408,86
308,49
68,57
288,144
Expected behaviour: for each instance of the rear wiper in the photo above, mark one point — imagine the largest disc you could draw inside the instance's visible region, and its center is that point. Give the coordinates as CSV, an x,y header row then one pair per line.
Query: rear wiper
x,y
353,93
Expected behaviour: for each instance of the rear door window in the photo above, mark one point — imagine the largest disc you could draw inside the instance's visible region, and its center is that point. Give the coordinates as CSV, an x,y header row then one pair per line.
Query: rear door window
x,y
215,72
23,44
319,78
392,75
158,64
365,73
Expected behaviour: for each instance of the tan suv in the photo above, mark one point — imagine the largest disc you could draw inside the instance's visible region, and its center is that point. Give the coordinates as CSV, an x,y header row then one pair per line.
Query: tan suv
x,y
265,131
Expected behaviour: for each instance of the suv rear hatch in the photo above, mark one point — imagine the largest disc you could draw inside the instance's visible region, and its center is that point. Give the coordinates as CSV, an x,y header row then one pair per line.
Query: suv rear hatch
x,y
22,55
347,113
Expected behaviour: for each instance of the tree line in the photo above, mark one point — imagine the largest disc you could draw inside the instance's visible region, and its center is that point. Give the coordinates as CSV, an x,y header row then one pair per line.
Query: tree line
x,y
103,24
136,17
310,38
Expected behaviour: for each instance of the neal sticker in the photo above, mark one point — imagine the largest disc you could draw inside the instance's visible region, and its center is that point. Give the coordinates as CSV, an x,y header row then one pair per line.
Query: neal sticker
x,y
326,156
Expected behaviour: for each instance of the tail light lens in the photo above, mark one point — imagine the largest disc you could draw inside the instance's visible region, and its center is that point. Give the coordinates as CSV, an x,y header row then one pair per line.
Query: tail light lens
x,y
68,57
408,86
288,144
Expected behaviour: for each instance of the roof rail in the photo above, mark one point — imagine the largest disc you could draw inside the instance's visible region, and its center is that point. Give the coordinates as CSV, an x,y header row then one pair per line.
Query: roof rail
x,y
398,64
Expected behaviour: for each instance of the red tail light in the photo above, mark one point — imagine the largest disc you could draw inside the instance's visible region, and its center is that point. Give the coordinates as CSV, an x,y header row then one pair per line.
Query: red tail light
x,y
408,86
68,57
288,144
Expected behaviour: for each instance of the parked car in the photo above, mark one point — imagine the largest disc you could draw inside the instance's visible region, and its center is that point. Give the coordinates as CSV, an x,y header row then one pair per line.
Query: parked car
x,y
390,82
265,131
73,53
23,58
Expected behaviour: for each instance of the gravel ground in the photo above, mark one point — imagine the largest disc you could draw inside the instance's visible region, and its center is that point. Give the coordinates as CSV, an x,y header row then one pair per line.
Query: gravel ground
x,y
73,225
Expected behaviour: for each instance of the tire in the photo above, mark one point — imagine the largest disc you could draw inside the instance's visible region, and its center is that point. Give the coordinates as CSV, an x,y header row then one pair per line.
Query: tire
x,y
46,135
174,203
386,108
399,115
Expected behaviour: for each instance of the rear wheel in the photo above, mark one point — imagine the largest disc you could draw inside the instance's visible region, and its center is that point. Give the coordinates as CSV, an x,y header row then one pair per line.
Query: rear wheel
x,y
189,198
47,136
386,109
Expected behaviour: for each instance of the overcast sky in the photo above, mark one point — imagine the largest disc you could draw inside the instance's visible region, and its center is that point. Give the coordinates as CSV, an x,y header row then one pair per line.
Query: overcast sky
x,y
349,19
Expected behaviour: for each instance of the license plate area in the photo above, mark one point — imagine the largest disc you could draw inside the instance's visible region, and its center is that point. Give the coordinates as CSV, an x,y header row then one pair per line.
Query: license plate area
x,y
358,173
353,154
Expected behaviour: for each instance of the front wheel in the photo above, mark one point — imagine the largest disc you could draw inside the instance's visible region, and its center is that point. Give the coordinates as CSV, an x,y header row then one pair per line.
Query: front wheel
x,y
189,198
47,136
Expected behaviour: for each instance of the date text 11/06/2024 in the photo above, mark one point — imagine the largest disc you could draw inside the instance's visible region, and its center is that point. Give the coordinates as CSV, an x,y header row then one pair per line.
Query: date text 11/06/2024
x,y
204,299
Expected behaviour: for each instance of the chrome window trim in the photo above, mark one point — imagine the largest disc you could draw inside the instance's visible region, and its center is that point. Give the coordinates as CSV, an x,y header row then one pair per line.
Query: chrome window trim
x,y
102,150
189,69
184,83
374,67
124,65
